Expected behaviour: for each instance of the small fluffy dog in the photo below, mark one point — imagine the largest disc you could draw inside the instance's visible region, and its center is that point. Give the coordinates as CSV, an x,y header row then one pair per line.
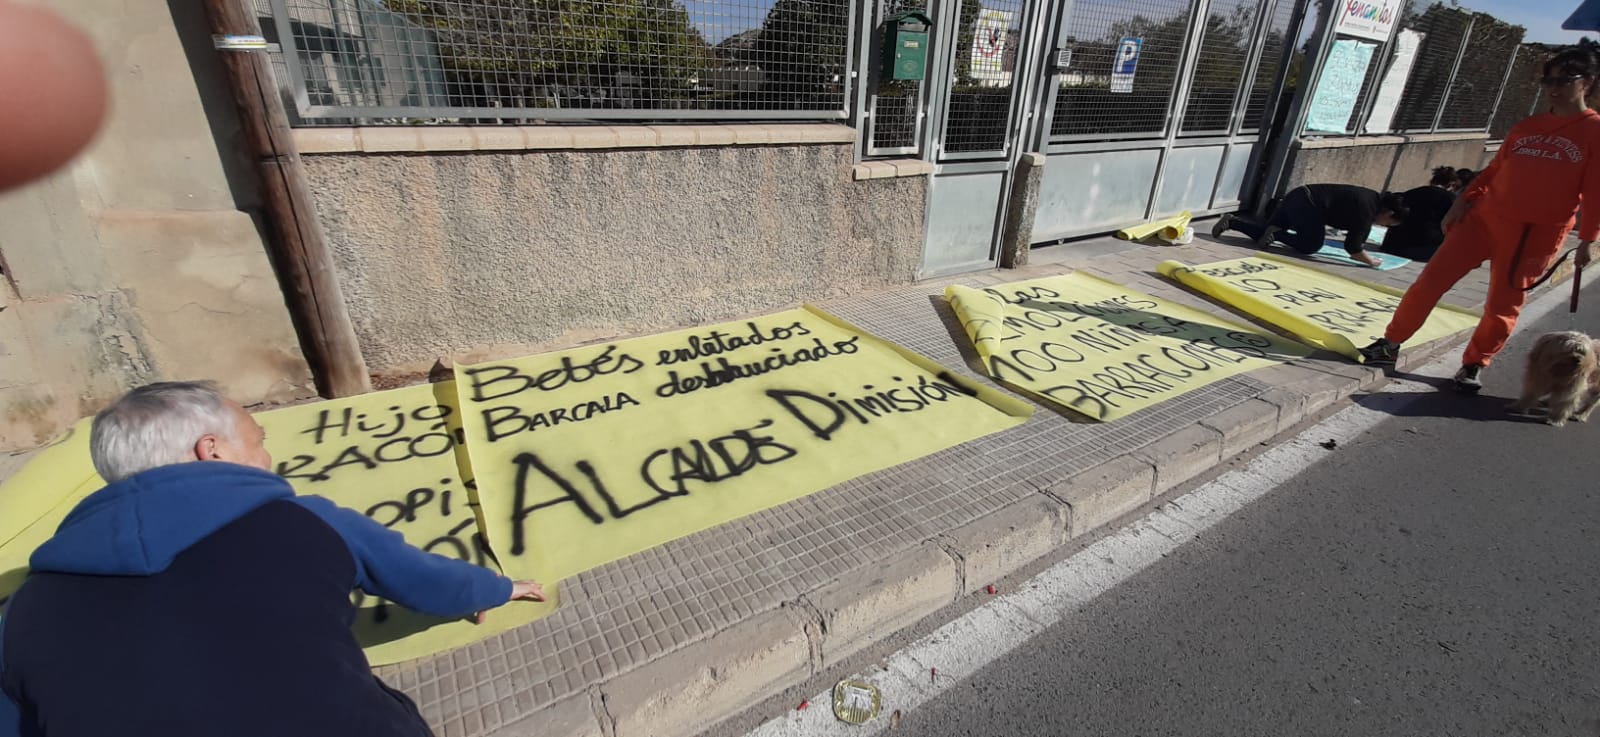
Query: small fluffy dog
x,y
1564,370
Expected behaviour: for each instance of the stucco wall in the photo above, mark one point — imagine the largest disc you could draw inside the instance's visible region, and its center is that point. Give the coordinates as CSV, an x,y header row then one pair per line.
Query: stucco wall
x,y
483,254
1390,164
140,262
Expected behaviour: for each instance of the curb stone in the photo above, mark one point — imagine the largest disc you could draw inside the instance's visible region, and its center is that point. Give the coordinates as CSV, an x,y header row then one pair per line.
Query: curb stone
x,y
1004,541
573,716
1244,425
1183,455
858,607
706,681
1104,492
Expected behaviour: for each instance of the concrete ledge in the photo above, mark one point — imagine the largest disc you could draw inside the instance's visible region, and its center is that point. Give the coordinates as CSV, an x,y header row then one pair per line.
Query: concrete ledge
x,y
1105,492
1387,140
570,717
889,168
684,691
1183,455
435,138
868,603
1244,425
1292,406
1002,542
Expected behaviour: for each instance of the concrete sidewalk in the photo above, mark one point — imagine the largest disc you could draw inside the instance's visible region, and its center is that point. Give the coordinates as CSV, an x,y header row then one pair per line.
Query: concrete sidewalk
x,y
669,641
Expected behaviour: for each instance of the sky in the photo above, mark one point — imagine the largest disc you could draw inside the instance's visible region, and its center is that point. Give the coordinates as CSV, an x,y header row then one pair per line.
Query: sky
x,y
1542,18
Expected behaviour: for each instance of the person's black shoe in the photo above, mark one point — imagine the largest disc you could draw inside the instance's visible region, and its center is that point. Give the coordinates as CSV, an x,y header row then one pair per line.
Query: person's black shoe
x,y
1467,381
1223,225
1382,352
1268,235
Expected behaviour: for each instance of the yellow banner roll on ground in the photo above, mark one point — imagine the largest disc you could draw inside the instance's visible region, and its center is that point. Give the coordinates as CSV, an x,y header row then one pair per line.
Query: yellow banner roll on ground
x,y
1325,310
1104,350
1168,228
395,456
591,454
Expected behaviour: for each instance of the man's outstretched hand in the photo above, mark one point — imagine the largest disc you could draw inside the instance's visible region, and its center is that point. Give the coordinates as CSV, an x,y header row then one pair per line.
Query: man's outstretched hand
x,y
527,590
520,590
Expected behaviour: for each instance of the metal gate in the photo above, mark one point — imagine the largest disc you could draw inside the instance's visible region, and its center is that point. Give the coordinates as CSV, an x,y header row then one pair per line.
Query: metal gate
x,y
979,115
1143,108
1178,131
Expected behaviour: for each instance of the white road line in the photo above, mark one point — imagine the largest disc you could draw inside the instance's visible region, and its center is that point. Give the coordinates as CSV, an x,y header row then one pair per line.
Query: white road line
x,y
992,631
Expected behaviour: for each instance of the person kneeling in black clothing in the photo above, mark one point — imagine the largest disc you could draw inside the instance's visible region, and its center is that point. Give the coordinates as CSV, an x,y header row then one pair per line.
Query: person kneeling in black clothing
x,y
1420,235
1301,219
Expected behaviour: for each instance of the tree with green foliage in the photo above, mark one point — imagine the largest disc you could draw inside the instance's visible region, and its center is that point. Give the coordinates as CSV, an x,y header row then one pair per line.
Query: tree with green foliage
x,y
802,52
561,53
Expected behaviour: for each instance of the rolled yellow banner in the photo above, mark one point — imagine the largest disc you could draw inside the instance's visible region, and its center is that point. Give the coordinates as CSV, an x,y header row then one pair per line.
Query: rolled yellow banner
x,y
1167,228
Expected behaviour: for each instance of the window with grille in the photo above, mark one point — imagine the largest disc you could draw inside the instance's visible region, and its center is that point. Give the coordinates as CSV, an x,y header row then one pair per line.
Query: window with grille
x,y
1444,29
470,60
1480,74
1085,103
1271,61
1224,51
979,109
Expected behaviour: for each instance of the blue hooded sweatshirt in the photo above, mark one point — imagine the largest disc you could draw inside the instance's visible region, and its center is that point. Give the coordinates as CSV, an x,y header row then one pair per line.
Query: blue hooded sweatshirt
x,y
207,598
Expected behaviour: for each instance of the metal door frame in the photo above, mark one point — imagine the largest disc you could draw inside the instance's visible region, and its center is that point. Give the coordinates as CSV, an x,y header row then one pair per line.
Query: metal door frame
x,y
1021,110
1172,138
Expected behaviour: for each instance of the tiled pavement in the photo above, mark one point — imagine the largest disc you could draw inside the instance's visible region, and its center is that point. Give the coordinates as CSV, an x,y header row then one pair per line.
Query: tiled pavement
x,y
669,640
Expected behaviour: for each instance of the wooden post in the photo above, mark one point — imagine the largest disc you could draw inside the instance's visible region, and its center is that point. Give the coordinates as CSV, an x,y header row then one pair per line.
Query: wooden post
x,y
295,239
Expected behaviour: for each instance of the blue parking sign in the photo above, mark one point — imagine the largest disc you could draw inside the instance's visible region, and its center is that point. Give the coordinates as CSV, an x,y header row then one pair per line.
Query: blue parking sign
x,y
1125,64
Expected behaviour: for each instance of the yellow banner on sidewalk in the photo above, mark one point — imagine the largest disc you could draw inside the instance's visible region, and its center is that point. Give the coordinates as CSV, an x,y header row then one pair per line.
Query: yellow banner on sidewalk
x,y
396,457
35,499
1104,350
1325,310
587,455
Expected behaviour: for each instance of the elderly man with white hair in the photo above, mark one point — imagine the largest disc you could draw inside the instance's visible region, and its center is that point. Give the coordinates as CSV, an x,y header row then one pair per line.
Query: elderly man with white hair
x,y
196,594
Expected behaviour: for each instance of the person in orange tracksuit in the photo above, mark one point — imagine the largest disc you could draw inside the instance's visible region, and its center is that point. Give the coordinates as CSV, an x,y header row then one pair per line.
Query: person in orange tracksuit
x,y
1515,215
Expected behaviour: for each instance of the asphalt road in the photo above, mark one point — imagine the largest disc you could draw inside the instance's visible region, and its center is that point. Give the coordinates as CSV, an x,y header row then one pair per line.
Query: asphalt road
x,y
1436,577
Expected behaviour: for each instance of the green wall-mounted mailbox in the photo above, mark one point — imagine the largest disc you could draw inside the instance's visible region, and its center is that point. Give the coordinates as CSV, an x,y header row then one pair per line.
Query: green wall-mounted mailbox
x,y
907,44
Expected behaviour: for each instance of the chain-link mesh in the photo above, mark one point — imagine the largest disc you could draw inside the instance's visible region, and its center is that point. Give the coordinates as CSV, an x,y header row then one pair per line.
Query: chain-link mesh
x,y
1277,37
1224,50
465,60
1522,91
895,103
985,70
1480,74
1444,30
1085,103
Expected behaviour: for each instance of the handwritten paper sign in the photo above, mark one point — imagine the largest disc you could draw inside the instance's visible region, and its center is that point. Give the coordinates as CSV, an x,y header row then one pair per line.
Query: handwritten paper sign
x,y
1101,349
1327,311
396,457
591,454
1339,87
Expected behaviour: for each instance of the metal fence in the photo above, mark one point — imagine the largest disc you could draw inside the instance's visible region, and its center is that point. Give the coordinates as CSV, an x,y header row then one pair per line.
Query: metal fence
x,y
399,61
1445,69
1277,39
1445,33
978,113
1522,96
1086,106
1229,34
